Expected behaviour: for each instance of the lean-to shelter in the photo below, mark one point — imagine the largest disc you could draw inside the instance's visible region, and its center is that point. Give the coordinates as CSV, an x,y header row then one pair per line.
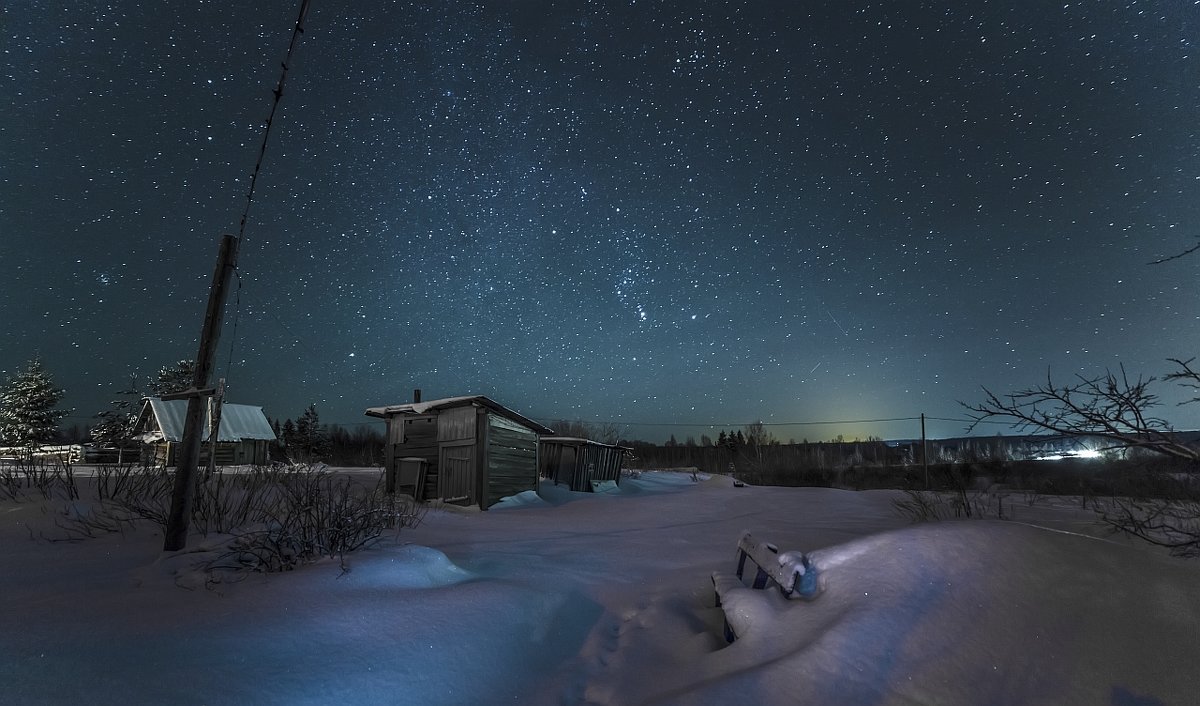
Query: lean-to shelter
x,y
581,464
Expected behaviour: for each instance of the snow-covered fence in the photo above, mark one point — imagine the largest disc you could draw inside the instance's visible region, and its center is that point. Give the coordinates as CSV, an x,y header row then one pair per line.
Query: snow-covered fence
x,y
792,572
70,453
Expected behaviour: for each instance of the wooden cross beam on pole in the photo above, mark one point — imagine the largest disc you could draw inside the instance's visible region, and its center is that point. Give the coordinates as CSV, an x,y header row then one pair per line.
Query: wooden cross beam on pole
x,y
188,457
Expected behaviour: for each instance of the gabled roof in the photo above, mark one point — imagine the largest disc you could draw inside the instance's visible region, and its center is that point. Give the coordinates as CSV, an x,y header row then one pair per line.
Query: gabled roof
x,y
239,422
415,408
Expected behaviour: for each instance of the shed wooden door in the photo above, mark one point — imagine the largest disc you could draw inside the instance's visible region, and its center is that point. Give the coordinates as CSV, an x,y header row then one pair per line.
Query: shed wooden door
x,y
456,471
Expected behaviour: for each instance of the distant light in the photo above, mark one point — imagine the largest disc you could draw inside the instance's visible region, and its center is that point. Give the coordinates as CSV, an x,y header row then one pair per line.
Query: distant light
x,y
1085,453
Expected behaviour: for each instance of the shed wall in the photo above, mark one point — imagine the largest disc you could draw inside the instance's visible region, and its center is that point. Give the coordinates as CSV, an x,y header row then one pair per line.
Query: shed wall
x,y
415,437
578,464
512,453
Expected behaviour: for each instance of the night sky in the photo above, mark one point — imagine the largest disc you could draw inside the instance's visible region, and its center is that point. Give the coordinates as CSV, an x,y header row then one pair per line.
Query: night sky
x,y
693,213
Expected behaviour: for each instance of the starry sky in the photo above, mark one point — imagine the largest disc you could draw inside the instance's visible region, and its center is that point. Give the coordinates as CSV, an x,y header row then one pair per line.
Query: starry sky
x,y
688,213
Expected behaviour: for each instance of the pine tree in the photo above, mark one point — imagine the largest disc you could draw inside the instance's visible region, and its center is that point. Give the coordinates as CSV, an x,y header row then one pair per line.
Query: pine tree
x,y
28,417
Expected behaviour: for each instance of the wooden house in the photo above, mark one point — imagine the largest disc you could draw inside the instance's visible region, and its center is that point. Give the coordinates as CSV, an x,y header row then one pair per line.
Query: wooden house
x,y
581,464
468,450
243,436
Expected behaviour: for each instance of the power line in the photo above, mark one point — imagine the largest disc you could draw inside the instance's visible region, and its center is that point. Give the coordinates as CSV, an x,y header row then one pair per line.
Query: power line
x,y
278,93
297,30
549,420
973,421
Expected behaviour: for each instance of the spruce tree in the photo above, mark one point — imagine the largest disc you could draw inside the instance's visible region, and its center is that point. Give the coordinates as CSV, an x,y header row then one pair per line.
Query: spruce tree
x,y
28,417
311,442
173,378
288,436
115,427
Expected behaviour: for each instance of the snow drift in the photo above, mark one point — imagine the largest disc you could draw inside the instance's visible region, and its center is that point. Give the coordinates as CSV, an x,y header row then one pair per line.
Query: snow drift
x,y
568,598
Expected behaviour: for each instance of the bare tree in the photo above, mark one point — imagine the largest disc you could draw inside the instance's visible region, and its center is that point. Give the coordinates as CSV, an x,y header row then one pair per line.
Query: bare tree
x,y
603,432
1166,510
1172,523
1111,406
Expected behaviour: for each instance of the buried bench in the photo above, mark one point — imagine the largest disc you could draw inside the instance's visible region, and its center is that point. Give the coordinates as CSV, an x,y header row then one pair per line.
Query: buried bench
x,y
792,572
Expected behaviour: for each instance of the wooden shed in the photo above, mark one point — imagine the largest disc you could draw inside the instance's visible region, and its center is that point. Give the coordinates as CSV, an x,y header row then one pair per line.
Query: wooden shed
x,y
581,464
243,437
468,450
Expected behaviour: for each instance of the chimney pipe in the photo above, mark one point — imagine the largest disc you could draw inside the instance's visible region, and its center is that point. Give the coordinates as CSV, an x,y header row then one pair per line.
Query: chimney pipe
x,y
416,395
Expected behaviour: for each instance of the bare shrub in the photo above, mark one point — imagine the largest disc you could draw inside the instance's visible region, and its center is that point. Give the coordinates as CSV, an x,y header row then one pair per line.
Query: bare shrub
x,y
44,476
927,505
78,523
277,518
316,514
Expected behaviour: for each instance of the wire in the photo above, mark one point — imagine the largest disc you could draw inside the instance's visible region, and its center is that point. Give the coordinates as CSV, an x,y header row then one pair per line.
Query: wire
x,y
262,153
972,421
745,424
278,93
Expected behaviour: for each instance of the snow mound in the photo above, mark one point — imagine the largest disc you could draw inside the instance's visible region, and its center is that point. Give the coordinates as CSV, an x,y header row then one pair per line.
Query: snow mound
x,y
660,482
523,499
409,566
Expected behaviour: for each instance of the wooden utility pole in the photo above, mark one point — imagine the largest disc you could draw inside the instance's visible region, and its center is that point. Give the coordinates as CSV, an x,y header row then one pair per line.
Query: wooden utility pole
x,y
188,456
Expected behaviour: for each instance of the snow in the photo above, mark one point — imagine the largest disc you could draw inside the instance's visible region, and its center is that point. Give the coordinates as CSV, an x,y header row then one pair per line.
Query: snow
x,y
421,407
575,598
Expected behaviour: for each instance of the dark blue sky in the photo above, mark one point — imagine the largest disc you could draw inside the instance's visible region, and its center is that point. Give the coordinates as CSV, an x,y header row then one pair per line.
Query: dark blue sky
x,y
639,212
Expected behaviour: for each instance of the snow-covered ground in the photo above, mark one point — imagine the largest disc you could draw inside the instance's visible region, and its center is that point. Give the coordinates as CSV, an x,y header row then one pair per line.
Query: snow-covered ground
x,y
606,599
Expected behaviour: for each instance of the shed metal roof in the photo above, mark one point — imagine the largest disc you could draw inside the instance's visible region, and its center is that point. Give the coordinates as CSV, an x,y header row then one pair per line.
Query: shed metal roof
x,y
415,408
239,422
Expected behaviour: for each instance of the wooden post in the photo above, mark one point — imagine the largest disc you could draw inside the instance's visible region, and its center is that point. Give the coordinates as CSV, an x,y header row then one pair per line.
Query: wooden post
x,y
214,415
924,452
175,536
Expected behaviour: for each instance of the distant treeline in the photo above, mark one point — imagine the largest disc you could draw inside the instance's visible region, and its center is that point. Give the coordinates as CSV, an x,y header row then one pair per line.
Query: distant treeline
x,y
734,454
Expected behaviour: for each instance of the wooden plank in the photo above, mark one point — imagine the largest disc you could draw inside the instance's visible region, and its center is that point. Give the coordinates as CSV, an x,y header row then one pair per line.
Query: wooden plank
x,y
410,473
456,471
792,571
456,424
512,459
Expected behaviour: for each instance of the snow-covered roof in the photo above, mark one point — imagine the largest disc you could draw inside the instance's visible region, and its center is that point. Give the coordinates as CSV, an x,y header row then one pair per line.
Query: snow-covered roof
x,y
414,408
577,441
239,422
